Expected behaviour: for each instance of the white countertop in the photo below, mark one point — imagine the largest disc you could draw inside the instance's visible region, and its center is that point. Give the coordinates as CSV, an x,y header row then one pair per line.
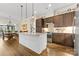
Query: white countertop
x,y
34,34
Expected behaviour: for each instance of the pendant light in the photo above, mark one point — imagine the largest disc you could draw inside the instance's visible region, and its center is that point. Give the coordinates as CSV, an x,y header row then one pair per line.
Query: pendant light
x,y
21,12
32,9
26,10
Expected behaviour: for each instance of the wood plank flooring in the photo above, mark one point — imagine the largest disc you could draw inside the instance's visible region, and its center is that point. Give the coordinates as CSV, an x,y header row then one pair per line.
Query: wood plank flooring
x,y
59,50
13,48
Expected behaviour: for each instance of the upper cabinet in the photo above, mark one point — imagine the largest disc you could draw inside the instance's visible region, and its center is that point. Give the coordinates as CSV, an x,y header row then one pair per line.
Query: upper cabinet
x,y
58,20
69,19
47,20
64,20
40,23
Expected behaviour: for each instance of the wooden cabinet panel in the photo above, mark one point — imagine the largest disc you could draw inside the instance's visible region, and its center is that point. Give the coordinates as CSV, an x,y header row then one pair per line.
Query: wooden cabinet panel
x,y
64,20
63,38
39,25
58,20
68,40
68,19
39,30
72,17
47,20
58,38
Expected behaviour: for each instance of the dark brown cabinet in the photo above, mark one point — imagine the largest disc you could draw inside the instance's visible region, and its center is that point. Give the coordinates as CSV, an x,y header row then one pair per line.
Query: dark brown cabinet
x,y
58,21
68,19
39,25
69,40
63,20
58,38
47,20
63,39
42,23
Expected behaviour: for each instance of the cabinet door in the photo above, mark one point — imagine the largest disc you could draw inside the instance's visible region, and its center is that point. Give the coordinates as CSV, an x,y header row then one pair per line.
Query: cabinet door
x,y
58,38
63,39
68,40
38,25
72,17
47,20
69,19
58,20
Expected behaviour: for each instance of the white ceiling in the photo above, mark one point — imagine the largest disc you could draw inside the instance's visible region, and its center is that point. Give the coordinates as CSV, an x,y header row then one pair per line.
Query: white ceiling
x,y
13,10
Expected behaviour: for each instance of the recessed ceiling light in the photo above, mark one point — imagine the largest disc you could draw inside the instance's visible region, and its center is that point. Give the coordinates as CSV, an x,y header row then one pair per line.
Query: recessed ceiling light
x,y
49,5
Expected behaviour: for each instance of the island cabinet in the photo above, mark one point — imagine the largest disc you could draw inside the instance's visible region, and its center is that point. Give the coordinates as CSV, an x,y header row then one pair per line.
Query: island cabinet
x,y
36,42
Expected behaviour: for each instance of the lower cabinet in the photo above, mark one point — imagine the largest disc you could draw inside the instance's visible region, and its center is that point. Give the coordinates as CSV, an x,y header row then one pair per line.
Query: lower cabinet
x,y
69,40
63,39
58,38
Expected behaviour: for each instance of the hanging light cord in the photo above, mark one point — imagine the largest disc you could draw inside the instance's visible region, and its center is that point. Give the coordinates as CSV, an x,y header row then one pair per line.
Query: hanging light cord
x,y
21,12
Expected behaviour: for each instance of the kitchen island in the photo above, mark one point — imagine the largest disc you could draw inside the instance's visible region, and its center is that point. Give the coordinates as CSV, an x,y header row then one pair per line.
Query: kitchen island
x,y
37,42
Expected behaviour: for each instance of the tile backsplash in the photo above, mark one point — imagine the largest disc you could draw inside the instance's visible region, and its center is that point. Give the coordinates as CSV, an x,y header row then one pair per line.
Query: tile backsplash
x,y
70,29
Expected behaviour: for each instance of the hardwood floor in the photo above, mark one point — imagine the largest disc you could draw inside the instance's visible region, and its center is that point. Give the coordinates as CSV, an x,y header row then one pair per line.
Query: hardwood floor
x,y
13,48
59,50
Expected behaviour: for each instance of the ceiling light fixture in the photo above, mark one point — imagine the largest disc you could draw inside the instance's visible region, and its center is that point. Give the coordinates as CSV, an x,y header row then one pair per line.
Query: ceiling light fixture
x,y
26,10
21,11
49,5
